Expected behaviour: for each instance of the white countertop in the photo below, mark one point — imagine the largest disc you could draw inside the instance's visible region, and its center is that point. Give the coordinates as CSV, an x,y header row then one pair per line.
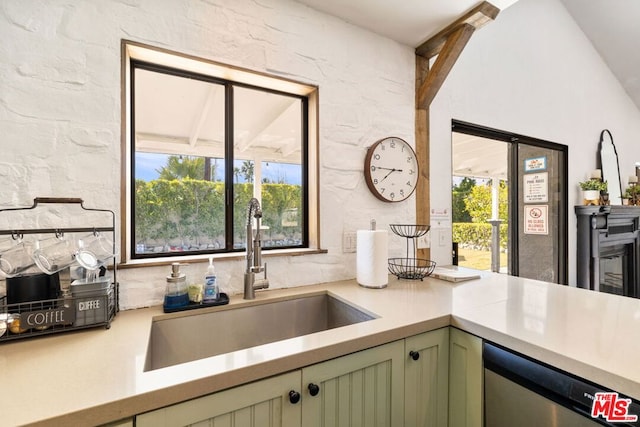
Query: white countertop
x,y
94,376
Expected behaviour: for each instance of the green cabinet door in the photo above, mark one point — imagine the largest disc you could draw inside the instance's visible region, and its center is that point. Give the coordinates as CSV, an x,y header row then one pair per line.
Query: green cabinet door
x,y
262,403
426,379
363,389
465,379
409,382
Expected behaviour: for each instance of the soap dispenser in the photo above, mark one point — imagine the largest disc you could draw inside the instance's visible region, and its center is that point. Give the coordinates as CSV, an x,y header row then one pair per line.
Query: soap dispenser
x,y
176,295
211,292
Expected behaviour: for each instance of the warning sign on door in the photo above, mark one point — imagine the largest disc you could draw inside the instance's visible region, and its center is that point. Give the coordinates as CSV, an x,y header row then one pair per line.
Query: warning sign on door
x,y
536,187
536,219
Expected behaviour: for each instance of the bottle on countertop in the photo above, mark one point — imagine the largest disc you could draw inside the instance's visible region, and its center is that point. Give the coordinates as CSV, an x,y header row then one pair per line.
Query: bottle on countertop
x,y
176,294
211,291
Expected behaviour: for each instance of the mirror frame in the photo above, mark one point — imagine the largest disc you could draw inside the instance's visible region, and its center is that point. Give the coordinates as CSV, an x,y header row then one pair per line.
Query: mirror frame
x,y
610,167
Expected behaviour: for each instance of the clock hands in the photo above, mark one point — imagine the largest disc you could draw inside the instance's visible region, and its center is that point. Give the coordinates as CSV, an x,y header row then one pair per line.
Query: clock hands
x,y
385,177
388,169
391,170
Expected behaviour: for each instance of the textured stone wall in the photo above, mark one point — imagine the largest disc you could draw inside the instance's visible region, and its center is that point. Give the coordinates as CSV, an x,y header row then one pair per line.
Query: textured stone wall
x,y
60,108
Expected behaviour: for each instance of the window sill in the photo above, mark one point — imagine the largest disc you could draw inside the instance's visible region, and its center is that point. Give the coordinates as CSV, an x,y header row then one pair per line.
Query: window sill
x,y
234,256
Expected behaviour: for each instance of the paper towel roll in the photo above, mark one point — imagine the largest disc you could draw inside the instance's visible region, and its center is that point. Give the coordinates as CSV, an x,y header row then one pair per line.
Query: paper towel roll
x,y
372,258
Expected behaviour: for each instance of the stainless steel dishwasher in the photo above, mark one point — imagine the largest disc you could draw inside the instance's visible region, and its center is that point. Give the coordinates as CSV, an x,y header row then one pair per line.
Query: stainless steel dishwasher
x,y
523,392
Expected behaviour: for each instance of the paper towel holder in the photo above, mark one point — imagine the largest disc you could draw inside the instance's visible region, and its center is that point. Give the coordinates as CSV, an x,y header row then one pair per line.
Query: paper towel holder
x,y
411,267
372,259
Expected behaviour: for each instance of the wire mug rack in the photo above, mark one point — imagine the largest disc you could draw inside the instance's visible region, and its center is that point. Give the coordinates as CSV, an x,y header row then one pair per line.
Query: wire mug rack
x,y
94,302
411,267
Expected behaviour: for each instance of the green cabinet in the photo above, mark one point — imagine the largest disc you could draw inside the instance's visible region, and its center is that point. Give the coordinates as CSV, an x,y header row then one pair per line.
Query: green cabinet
x,y
362,389
262,403
402,383
426,379
465,379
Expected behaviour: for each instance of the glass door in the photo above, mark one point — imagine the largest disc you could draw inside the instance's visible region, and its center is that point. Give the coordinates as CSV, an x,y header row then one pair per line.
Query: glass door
x,y
540,248
525,232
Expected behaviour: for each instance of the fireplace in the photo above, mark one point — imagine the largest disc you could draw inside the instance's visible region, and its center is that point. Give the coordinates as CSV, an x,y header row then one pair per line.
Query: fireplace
x,y
608,243
615,270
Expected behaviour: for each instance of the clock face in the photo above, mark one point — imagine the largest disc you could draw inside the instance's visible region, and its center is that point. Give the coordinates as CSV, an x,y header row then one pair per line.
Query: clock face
x,y
391,169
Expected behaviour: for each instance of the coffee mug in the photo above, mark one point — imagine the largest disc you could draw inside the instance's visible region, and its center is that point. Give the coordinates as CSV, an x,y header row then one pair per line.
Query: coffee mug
x,y
54,254
16,259
94,250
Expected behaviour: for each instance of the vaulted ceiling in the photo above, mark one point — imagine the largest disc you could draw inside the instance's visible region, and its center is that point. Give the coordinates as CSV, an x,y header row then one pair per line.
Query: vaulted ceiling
x,y
409,22
611,26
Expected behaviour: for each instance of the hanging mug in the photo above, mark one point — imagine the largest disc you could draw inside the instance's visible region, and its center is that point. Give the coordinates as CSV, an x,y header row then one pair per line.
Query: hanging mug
x,y
94,251
16,259
54,254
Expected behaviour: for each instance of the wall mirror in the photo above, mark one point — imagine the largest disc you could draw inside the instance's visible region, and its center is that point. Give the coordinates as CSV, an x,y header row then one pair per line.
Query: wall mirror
x,y
610,168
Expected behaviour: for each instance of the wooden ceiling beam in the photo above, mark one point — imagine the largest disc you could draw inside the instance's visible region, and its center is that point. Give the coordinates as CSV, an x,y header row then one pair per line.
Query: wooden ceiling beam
x,y
477,17
443,65
448,45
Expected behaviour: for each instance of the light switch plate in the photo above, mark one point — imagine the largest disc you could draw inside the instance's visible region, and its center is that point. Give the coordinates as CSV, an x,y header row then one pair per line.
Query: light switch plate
x,y
424,242
349,241
443,238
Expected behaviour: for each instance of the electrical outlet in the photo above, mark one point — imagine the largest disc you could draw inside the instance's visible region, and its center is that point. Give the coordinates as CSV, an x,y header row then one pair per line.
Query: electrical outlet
x,y
349,242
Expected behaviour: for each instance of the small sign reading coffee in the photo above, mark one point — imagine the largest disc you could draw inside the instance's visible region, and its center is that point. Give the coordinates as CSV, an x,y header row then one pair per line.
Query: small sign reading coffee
x,y
58,316
89,305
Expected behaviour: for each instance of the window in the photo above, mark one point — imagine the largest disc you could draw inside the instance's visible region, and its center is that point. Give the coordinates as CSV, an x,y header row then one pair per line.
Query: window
x,y
202,140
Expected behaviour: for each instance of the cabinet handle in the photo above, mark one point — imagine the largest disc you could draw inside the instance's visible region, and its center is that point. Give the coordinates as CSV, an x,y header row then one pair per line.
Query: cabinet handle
x,y
314,389
294,397
414,355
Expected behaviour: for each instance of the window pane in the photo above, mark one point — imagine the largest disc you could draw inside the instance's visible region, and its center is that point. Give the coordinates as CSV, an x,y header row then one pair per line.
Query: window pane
x,y
179,164
242,192
282,203
268,165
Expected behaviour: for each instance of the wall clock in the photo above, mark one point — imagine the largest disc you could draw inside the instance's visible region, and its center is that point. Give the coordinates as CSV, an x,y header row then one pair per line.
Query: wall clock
x,y
391,169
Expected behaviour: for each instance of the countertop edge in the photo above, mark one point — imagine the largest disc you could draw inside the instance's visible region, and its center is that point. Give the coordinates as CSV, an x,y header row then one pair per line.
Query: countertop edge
x,y
135,405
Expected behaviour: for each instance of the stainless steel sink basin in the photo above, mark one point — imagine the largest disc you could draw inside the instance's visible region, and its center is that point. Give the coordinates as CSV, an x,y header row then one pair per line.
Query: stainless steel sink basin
x,y
195,336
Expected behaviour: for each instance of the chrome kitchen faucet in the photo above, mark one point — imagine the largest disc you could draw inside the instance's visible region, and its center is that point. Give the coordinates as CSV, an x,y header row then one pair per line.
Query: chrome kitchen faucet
x,y
254,253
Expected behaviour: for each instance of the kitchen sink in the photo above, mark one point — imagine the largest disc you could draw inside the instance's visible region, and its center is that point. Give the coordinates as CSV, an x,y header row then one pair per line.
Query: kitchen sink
x,y
195,336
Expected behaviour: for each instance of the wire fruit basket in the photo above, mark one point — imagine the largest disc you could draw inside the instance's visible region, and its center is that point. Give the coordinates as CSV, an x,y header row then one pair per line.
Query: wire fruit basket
x,y
410,231
410,267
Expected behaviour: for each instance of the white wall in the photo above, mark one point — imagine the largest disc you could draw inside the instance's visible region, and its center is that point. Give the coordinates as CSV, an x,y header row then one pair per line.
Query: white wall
x,y
533,72
60,108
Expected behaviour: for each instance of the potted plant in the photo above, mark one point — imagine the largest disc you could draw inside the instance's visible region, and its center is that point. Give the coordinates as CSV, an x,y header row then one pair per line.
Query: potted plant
x,y
591,190
632,194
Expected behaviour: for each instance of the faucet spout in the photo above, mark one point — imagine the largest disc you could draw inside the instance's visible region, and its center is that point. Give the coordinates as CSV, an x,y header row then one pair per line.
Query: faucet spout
x,y
254,253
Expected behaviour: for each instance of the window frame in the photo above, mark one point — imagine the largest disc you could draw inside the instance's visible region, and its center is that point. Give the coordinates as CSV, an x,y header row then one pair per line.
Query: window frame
x,y
136,55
